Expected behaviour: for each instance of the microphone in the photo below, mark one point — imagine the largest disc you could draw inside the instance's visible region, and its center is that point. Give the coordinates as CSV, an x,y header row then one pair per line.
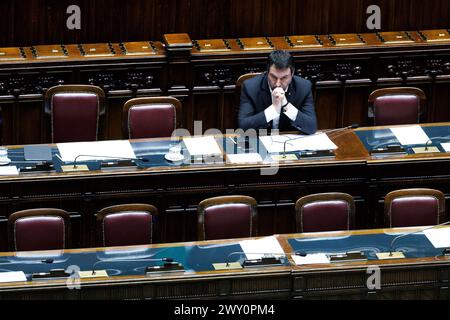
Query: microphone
x,y
289,140
397,255
108,157
352,126
429,142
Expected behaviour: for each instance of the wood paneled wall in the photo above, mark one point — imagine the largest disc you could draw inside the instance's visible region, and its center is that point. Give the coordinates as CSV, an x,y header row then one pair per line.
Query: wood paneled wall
x,y
33,22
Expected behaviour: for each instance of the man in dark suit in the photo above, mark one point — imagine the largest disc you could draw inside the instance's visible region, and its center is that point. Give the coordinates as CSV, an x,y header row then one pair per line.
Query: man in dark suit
x,y
277,99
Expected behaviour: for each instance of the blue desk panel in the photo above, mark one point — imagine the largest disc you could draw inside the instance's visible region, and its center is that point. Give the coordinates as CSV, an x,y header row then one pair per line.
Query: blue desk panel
x,y
413,246
129,261
380,138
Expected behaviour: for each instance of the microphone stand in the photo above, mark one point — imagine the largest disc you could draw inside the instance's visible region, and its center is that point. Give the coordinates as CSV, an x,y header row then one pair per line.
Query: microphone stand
x,y
391,253
165,260
74,167
352,126
108,157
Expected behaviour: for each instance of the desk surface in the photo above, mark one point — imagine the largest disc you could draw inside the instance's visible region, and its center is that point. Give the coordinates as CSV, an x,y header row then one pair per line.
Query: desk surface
x,y
350,149
353,146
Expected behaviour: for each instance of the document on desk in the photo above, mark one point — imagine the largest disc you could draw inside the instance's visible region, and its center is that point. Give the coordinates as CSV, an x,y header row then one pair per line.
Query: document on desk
x,y
410,135
314,142
241,158
314,258
202,146
439,237
8,171
95,150
446,146
14,276
256,249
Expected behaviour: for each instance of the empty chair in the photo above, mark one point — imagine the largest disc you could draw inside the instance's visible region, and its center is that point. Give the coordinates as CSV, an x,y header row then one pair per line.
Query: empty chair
x,y
39,229
227,217
74,111
151,117
325,212
126,225
414,207
400,105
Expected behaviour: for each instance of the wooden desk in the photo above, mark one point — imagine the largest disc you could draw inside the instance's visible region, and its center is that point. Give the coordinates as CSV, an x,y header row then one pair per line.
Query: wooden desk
x,y
424,274
176,190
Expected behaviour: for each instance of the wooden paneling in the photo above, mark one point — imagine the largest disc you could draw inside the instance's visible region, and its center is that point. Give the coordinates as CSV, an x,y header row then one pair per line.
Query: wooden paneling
x,y
28,22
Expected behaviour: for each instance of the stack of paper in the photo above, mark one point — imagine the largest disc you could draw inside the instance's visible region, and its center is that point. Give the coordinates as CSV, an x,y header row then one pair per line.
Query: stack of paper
x,y
256,249
14,276
8,171
315,258
410,135
96,150
314,142
202,146
439,237
244,158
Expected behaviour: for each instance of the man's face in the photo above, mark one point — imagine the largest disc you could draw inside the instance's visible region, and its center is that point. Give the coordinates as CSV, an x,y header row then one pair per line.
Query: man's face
x,y
279,77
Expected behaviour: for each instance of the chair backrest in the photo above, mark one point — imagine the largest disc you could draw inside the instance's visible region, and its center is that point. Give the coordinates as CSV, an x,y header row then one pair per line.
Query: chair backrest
x,y
238,88
74,112
227,217
399,105
325,212
414,207
151,117
39,229
126,225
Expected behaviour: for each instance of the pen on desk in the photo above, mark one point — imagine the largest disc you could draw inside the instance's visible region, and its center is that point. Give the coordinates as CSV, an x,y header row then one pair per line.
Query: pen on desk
x,y
233,140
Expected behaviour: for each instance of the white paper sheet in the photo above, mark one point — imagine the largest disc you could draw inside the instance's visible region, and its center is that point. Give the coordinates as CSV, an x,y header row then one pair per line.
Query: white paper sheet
x,y
314,142
244,158
410,135
202,146
446,146
439,237
14,276
314,258
8,171
256,249
96,150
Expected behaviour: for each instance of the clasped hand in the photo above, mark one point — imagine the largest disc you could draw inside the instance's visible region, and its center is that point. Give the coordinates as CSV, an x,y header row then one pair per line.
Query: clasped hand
x,y
278,98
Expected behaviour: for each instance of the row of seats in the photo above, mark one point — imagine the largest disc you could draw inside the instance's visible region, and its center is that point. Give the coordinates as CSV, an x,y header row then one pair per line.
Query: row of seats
x,y
83,105
152,117
221,218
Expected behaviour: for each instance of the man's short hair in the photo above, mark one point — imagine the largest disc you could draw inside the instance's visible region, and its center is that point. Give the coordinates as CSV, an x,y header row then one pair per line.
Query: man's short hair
x,y
281,60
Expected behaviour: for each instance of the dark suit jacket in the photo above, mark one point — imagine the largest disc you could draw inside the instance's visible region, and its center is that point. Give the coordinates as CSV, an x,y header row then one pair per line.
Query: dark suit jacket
x,y
256,97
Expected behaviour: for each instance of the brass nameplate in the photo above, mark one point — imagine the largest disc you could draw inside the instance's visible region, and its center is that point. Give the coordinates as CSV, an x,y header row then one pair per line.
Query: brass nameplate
x,y
425,149
286,157
90,274
72,168
390,255
227,266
